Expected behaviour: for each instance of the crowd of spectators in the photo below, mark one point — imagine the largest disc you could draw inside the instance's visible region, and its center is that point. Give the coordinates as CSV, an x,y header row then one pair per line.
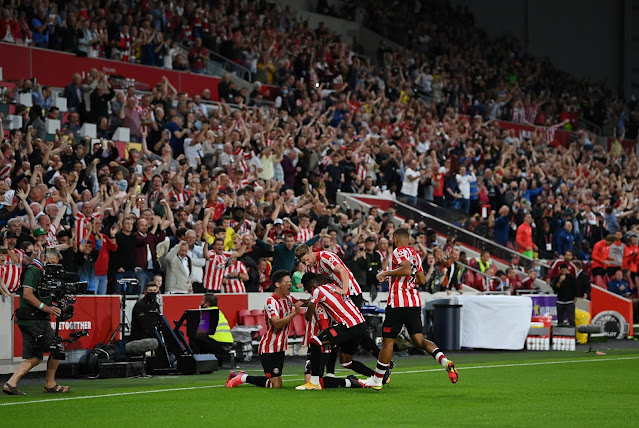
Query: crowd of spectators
x,y
241,184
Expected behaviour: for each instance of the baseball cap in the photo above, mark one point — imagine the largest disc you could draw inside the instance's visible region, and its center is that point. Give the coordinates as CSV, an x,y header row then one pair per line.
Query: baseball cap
x,y
370,239
38,231
10,234
278,221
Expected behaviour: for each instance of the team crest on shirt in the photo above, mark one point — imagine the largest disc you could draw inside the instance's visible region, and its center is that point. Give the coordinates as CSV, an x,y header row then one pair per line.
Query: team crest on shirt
x,y
270,307
276,371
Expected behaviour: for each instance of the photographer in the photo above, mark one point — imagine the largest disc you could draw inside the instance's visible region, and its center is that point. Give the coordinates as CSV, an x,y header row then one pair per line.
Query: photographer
x,y
33,319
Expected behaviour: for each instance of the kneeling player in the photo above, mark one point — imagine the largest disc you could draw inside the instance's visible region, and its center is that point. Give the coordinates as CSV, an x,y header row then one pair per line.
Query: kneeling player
x,y
347,333
279,310
404,309
319,321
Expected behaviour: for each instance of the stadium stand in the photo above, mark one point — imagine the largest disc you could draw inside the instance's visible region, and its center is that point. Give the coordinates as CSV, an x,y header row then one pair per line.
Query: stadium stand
x,y
493,138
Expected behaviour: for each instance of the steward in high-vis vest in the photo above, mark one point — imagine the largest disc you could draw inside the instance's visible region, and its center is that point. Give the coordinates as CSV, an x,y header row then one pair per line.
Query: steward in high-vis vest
x,y
219,343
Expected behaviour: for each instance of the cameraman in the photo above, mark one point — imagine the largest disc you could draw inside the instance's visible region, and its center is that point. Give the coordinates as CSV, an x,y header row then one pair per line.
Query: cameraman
x,y
140,325
33,318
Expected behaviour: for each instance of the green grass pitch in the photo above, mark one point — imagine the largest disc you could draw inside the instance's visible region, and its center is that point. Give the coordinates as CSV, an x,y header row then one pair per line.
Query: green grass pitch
x,y
497,389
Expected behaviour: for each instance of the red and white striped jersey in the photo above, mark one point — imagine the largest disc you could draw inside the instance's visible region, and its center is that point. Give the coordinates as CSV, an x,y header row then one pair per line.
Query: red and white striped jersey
x,y
363,160
52,238
325,265
235,285
214,271
143,111
320,321
244,228
276,340
12,270
403,289
340,308
304,235
182,197
549,133
10,275
81,223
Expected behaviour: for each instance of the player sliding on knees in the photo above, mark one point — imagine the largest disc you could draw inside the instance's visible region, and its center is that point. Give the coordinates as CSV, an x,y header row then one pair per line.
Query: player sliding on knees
x,y
346,333
404,309
279,310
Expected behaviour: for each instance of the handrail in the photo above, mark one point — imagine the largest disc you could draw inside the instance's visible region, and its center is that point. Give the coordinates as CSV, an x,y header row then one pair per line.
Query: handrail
x,y
473,235
227,63
590,126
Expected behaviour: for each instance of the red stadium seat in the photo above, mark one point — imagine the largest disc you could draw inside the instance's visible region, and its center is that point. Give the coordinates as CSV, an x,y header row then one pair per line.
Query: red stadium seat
x,y
299,325
257,313
469,279
249,320
241,314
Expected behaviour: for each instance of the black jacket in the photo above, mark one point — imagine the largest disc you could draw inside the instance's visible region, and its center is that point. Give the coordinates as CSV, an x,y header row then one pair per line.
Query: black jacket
x,y
567,290
141,327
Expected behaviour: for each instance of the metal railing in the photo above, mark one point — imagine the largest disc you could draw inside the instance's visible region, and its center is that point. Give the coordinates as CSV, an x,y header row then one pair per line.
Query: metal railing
x,y
592,127
436,219
218,64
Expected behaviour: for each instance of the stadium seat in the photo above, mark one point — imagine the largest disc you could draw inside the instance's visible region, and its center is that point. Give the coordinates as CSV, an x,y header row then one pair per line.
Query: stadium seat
x,y
299,325
250,320
241,315
600,282
257,313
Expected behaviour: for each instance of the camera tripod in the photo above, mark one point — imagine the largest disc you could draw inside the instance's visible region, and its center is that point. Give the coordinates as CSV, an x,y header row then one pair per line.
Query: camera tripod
x,y
124,325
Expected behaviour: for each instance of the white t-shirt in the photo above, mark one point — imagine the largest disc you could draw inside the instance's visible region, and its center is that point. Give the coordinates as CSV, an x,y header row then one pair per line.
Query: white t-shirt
x,y
409,188
422,146
192,152
464,184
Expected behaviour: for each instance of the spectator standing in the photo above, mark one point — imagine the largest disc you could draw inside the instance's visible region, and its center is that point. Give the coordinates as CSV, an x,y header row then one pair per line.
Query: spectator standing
x,y
146,261
131,118
178,270
464,181
566,239
502,226
124,260
410,185
198,55
74,94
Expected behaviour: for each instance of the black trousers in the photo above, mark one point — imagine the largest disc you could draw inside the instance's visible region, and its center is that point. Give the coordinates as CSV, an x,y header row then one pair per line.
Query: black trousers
x,y
568,310
206,345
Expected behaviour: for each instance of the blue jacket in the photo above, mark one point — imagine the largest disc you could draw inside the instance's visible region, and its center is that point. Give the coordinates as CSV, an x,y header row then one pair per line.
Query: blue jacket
x,y
565,241
616,287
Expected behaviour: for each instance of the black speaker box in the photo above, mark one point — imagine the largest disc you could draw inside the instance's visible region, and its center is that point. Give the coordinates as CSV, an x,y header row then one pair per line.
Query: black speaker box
x,y
116,370
197,363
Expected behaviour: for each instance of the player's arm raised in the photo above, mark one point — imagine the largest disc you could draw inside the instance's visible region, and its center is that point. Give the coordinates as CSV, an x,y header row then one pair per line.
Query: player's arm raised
x,y
279,323
404,269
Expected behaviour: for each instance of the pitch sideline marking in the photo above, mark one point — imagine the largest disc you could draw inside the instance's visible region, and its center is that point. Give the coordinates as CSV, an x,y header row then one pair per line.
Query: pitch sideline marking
x,y
190,388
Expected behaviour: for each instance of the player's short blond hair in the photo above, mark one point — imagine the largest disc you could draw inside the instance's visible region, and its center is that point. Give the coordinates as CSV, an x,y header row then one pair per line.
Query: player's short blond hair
x,y
301,251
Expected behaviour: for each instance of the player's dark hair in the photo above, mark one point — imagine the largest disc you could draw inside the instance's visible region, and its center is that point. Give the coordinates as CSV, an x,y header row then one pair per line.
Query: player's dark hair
x,y
278,275
308,279
401,233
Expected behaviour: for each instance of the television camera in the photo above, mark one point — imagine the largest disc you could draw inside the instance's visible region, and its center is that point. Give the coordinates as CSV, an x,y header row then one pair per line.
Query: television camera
x,y
61,287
